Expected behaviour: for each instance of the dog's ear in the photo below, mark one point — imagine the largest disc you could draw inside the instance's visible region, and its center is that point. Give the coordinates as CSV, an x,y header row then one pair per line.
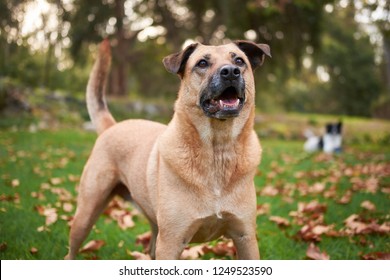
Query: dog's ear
x,y
175,63
255,52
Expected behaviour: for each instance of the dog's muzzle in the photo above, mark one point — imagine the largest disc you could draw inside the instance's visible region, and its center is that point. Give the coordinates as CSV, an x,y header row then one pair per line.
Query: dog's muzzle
x,y
225,96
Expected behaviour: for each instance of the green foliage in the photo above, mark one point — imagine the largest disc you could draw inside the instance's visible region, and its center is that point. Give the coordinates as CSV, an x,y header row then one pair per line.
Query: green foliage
x,y
349,58
323,31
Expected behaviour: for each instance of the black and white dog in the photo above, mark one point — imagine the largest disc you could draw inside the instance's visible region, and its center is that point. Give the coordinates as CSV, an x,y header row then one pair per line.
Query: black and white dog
x,y
330,142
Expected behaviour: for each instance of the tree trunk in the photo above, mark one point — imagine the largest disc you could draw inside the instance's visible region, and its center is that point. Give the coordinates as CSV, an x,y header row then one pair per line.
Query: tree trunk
x,y
118,78
386,49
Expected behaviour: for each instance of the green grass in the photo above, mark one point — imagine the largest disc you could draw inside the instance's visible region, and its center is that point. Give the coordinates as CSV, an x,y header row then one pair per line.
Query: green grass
x,y
34,159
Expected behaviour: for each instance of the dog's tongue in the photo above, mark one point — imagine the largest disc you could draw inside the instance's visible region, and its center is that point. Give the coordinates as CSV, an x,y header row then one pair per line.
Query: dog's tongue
x,y
230,103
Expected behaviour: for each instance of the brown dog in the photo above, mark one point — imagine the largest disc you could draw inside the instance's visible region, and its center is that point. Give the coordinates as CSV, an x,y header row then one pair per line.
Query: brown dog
x,y
193,178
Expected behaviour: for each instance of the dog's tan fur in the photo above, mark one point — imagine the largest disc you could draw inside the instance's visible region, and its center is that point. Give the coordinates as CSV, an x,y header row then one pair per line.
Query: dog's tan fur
x,y
193,178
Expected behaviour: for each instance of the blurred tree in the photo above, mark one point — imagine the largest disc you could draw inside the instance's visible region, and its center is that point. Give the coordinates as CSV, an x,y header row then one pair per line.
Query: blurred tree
x,y
349,60
300,32
93,20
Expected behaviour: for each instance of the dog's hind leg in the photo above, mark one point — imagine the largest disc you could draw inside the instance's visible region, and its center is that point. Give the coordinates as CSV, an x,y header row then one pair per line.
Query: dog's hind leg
x,y
96,190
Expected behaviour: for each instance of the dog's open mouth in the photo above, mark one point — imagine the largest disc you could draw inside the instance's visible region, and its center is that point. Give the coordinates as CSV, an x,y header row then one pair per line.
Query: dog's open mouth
x,y
226,105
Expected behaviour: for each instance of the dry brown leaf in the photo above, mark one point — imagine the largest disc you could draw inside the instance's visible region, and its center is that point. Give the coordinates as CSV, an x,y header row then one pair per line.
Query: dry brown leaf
x,y
92,246
126,221
62,193
263,209
376,256
306,233
317,188
321,229
73,178
346,198
38,195
386,190
51,215
356,225
372,185
139,256
331,192
269,191
223,248
55,181
368,205
312,207
192,253
314,253
15,183
280,221
3,246
45,186
144,239
42,229
67,207
11,198
33,250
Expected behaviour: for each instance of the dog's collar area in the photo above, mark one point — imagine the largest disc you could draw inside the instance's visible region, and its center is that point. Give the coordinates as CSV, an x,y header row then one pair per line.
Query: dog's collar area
x,y
228,104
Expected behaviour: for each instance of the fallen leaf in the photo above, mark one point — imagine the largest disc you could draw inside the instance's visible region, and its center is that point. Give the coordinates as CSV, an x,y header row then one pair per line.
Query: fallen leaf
x,y
33,250
51,215
192,253
42,229
221,249
15,183
306,234
368,205
73,178
317,188
45,186
139,256
356,225
269,191
62,193
280,221
67,207
312,207
372,185
346,198
321,229
263,209
92,246
55,181
376,256
3,246
11,198
314,253
38,195
331,192
144,239
386,190
126,221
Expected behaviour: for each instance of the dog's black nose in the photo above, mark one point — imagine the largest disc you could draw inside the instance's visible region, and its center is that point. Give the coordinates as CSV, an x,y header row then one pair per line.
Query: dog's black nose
x,y
230,72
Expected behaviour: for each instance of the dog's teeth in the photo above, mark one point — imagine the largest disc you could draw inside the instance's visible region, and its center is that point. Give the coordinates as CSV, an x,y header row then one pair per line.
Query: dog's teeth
x,y
228,106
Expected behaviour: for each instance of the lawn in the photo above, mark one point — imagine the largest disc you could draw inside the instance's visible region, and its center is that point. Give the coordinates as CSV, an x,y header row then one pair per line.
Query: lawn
x,y
309,205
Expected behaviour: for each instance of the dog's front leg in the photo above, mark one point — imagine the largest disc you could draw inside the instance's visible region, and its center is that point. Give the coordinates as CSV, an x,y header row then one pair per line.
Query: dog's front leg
x,y
174,234
247,247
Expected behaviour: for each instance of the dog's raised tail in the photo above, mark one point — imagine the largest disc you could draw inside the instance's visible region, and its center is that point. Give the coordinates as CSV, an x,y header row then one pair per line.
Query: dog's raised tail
x,y
96,103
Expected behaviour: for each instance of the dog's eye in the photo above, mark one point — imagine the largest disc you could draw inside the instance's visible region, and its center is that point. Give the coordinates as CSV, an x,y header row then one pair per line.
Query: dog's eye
x,y
239,61
202,64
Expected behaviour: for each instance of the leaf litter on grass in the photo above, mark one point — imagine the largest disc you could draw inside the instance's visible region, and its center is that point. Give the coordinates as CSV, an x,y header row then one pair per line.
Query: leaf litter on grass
x,y
327,180
310,186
